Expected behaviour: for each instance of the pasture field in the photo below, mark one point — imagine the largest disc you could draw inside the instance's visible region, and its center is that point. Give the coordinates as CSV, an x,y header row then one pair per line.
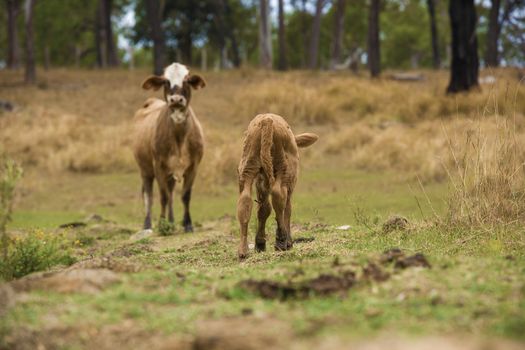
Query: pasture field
x,y
450,276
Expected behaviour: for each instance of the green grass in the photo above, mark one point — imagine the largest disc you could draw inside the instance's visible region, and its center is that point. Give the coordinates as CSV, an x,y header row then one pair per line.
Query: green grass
x,y
476,285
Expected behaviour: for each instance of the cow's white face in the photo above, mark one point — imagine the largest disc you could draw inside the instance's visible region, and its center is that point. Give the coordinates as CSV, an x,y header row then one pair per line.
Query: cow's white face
x,y
177,83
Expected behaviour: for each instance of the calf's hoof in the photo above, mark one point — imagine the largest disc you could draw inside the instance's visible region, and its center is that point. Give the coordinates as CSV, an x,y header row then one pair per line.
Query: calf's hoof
x,y
188,228
260,246
242,255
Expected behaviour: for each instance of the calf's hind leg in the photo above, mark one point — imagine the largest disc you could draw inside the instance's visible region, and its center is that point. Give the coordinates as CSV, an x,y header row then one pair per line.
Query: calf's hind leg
x,y
264,210
279,198
244,211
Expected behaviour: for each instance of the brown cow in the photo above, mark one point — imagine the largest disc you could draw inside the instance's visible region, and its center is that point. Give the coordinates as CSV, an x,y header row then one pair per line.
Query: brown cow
x,y
168,135
270,158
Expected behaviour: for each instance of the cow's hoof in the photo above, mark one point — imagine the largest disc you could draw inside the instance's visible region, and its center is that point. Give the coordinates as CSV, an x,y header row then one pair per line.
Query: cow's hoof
x,y
281,246
260,247
242,255
188,228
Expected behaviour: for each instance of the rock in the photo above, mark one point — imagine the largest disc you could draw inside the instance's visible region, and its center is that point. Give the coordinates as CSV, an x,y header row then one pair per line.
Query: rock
x,y
395,223
141,235
88,281
344,227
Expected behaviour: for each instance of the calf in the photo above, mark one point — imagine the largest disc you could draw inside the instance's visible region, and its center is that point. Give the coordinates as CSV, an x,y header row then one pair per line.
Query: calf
x,y
168,135
270,158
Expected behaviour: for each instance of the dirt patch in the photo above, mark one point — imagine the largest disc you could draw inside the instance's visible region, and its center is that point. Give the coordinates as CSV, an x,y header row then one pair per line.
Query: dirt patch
x,y
417,260
242,333
303,240
7,298
108,262
121,336
401,261
373,272
335,283
88,281
395,223
129,250
74,224
322,285
391,255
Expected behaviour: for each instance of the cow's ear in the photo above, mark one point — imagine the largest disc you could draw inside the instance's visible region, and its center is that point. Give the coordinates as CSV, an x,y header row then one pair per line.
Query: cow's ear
x,y
306,139
154,82
196,81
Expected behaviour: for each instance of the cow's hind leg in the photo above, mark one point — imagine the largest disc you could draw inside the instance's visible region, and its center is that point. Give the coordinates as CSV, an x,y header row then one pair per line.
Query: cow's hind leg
x,y
279,198
147,193
244,211
264,210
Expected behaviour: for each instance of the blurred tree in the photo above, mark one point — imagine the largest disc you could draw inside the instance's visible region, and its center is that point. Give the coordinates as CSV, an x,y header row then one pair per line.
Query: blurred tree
x,y
154,14
465,63
265,35
30,71
106,49
374,56
496,23
337,43
13,46
313,55
436,60
283,64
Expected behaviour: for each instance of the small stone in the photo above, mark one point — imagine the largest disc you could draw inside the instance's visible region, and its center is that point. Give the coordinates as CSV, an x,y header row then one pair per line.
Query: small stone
x,y
141,235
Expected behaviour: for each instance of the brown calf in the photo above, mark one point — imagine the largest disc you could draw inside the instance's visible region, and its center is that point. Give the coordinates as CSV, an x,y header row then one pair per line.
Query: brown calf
x,y
270,158
168,136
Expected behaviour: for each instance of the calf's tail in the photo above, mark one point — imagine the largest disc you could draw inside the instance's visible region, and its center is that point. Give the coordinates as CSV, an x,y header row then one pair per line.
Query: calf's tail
x,y
266,148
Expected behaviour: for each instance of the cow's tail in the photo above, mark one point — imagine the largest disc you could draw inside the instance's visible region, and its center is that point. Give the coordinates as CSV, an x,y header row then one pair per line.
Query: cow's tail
x,y
266,148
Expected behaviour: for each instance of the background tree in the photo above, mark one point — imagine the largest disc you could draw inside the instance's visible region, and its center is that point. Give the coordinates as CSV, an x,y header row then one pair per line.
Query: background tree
x,y
265,35
465,63
283,64
154,14
436,60
313,56
337,43
374,57
497,21
30,71
13,46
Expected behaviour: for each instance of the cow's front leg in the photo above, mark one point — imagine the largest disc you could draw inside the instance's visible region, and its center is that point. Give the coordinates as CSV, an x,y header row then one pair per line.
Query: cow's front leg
x,y
189,177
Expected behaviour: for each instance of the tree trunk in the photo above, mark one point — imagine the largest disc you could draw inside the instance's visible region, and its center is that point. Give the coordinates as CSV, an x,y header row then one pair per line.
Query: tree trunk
x,y
491,55
265,35
30,73
465,63
314,39
283,64
236,56
434,34
111,49
13,46
374,54
154,11
100,36
337,44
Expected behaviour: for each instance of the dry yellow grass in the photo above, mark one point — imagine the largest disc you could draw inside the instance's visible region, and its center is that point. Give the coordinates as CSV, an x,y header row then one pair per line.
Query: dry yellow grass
x,y
80,120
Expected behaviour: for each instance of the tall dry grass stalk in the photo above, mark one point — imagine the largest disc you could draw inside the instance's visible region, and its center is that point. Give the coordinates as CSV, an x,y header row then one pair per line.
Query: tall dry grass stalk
x,y
488,174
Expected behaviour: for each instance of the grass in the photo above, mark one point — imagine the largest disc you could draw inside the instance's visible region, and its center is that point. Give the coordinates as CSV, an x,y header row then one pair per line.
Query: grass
x,y
385,148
